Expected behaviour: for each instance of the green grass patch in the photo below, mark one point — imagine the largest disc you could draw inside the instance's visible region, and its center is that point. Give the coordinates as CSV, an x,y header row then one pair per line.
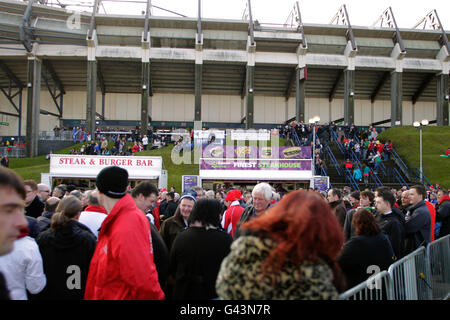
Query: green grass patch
x,y
435,141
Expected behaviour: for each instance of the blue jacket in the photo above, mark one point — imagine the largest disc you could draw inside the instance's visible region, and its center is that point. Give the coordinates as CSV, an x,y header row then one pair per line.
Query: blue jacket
x,y
417,226
357,174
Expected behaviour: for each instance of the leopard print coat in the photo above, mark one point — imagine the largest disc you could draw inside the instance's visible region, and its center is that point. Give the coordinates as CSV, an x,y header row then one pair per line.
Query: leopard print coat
x,y
239,275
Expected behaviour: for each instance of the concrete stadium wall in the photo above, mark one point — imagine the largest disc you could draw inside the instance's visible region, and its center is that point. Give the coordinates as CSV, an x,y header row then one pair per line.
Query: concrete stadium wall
x,y
215,108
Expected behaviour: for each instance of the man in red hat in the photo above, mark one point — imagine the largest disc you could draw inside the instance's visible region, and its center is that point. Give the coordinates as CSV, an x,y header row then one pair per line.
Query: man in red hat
x,y
233,213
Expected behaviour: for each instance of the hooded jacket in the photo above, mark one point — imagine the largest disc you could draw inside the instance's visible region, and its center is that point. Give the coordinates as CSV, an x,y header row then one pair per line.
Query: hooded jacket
x,y
443,215
417,227
122,267
66,254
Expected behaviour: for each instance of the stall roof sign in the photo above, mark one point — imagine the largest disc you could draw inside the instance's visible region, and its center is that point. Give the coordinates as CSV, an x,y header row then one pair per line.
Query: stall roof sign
x,y
88,166
256,169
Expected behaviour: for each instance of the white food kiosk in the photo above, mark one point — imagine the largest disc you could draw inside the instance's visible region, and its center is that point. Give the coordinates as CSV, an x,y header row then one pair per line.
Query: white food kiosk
x,y
82,170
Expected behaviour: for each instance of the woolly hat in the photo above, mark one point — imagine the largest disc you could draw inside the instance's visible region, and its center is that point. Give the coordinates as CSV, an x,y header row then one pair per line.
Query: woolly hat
x,y
113,181
189,196
233,195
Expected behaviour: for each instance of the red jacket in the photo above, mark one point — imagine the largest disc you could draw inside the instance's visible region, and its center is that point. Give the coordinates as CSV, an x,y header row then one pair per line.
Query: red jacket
x,y
231,217
122,267
433,217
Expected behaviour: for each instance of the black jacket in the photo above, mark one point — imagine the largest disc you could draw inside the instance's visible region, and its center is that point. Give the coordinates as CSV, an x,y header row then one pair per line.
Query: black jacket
x,y
339,210
160,255
361,252
443,215
33,227
162,207
170,209
417,227
66,255
170,229
393,225
35,208
195,260
4,292
44,220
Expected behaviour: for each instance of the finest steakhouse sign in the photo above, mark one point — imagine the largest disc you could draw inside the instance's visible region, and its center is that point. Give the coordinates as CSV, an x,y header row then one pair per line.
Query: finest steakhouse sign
x,y
85,166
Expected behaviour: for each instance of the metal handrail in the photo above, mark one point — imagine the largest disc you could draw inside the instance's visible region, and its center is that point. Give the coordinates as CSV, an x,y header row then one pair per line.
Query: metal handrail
x,y
295,135
417,173
338,143
377,181
399,177
333,159
349,176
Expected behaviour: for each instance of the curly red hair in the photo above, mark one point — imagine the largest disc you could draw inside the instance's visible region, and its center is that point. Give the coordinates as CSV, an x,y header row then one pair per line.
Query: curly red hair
x,y
304,227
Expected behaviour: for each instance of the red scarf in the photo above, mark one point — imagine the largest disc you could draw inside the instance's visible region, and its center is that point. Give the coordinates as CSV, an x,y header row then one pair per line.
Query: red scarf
x,y
96,209
23,233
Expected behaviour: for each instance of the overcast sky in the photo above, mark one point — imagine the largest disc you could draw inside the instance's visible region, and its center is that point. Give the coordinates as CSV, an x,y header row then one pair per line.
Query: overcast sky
x,y
361,12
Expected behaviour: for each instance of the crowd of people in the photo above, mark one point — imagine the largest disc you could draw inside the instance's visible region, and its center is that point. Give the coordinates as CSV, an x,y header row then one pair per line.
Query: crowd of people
x,y
369,152
117,242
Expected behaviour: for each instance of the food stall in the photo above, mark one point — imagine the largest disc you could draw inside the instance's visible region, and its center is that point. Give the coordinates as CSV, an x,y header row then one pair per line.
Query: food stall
x,y
288,168
82,170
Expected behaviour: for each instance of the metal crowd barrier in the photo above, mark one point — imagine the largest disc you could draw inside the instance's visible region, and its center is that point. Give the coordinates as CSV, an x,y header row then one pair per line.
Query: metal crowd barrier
x,y
411,276
15,152
438,254
423,274
377,287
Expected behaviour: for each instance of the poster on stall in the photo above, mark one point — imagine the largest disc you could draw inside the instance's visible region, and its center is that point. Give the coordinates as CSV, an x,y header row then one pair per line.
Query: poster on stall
x,y
189,182
320,182
254,152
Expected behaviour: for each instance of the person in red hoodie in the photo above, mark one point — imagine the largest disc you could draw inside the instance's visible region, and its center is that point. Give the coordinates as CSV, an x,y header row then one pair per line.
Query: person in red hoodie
x,y
233,213
432,210
122,267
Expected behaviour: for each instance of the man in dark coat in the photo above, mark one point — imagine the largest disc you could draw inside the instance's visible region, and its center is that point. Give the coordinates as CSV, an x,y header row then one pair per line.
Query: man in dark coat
x,y
171,205
443,212
33,205
49,209
338,206
391,220
418,220
262,195
144,195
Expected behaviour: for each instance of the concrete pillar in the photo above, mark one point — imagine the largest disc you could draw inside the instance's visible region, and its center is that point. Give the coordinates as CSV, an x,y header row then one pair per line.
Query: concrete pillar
x,y
300,84
145,96
442,115
250,79
349,96
396,98
91,96
33,106
198,91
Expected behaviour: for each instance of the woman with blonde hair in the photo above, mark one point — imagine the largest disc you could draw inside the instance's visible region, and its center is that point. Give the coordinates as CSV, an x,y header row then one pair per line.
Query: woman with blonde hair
x,y
66,248
289,252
